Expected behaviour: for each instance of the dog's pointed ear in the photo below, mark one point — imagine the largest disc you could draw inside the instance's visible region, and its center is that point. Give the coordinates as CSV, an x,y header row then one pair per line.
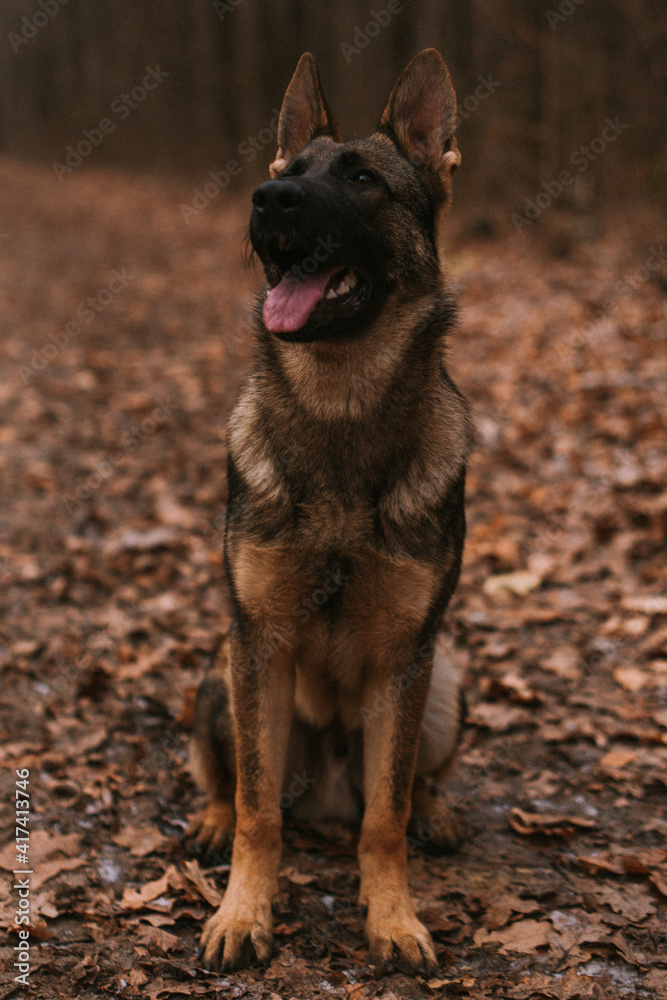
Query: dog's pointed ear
x,y
421,116
304,114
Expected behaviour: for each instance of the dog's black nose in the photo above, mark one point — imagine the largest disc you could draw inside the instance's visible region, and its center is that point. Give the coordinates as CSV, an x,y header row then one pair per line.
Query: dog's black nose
x,y
277,196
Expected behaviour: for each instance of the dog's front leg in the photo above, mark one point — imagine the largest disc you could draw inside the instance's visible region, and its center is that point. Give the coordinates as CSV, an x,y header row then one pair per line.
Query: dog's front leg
x,y
393,708
262,698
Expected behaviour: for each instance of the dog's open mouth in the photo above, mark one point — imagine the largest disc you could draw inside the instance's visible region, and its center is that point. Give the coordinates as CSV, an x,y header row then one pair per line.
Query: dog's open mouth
x,y
332,293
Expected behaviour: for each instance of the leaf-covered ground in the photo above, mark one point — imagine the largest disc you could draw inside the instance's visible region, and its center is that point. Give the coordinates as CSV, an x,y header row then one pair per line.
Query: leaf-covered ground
x,y
125,334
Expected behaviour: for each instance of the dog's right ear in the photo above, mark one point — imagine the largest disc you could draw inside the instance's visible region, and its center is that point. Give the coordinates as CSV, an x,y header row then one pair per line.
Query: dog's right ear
x,y
421,116
304,114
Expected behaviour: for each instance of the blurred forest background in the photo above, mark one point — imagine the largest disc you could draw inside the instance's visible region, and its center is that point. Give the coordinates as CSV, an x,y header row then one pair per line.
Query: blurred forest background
x,y
554,71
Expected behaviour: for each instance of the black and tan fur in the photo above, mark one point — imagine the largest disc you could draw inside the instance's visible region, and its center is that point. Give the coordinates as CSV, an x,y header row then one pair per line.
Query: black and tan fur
x,y
345,525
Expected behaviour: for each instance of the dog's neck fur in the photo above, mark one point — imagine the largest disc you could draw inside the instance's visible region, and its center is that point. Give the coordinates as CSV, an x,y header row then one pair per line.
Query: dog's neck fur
x,y
334,384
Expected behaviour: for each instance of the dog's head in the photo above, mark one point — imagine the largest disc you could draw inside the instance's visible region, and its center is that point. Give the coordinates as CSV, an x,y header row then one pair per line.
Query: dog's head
x,y
341,225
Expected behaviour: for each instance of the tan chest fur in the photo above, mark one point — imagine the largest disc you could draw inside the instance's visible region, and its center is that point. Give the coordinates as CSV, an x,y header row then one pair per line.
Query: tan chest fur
x,y
336,618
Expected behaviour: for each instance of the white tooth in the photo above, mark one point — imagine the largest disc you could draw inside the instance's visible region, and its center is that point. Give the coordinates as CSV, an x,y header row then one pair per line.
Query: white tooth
x,y
331,294
342,289
351,278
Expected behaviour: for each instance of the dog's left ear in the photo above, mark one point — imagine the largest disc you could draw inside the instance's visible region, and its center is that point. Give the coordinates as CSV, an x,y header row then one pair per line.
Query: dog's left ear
x,y
421,116
304,114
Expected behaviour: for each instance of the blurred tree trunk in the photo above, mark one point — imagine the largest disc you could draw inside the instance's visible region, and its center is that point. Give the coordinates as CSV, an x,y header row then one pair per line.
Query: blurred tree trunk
x,y
559,72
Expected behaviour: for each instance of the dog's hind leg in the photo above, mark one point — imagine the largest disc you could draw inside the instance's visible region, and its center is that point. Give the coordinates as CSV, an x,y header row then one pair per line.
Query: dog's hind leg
x,y
433,825
212,762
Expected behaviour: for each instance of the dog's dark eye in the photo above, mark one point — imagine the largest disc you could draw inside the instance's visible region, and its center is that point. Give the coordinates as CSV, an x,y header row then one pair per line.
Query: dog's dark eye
x,y
363,177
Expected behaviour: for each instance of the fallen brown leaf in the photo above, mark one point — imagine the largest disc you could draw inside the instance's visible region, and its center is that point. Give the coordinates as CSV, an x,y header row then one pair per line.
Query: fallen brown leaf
x,y
206,889
143,541
498,718
552,824
632,901
141,840
49,869
616,759
519,583
158,938
502,908
631,678
42,845
571,986
525,936
298,878
134,899
647,604
659,879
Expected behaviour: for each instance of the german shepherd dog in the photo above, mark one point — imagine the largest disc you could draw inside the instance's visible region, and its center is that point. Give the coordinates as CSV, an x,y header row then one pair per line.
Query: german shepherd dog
x,y
345,520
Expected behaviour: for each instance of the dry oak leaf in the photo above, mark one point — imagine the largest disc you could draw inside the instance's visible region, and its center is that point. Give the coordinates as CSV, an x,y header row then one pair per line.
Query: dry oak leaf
x,y
135,900
141,840
525,936
643,861
621,861
552,824
156,937
154,919
49,869
603,862
146,662
502,908
498,718
42,845
615,759
659,880
656,983
571,986
632,901
298,878
518,689
205,888
631,678
631,955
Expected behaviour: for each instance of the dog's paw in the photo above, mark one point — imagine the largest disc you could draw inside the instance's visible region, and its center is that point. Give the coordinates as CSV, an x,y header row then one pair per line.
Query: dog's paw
x,y
397,939
434,826
213,828
237,936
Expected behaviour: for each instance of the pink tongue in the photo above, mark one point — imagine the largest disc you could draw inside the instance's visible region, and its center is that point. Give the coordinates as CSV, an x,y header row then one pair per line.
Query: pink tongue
x,y
288,305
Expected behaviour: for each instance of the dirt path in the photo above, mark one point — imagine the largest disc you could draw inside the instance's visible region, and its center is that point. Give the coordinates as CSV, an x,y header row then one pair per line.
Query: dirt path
x,y
124,336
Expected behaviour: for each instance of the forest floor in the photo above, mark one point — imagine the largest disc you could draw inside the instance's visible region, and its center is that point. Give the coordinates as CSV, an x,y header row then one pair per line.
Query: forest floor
x,y
125,334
